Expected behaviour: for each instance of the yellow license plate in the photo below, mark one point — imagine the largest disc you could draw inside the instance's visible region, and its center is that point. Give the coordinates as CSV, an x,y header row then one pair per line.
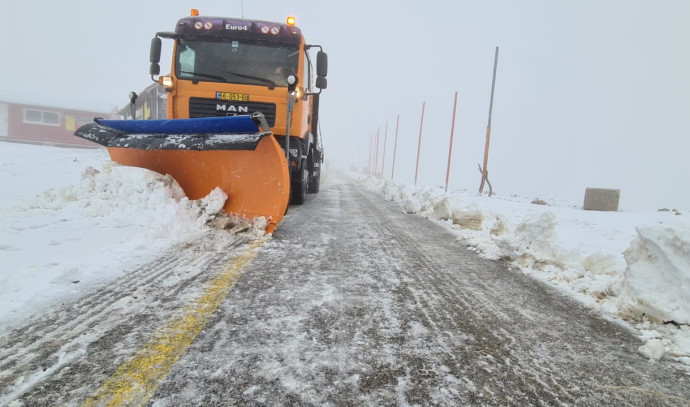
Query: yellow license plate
x,y
238,97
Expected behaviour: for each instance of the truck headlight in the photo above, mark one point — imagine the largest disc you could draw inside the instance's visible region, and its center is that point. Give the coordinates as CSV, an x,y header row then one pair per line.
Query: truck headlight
x,y
167,82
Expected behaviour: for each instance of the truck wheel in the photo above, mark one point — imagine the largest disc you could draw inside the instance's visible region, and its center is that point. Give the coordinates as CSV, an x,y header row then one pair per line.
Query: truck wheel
x,y
298,189
314,180
314,183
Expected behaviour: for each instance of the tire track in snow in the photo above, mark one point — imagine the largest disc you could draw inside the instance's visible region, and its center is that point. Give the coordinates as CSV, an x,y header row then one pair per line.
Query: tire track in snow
x,y
439,296
81,343
351,303
137,379
355,303
534,345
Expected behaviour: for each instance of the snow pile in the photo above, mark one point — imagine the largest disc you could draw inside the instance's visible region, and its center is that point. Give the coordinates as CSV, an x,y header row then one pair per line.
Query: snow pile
x,y
64,240
120,196
657,279
534,243
634,266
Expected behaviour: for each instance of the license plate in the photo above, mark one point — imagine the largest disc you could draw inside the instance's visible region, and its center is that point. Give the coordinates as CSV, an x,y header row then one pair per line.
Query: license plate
x,y
238,97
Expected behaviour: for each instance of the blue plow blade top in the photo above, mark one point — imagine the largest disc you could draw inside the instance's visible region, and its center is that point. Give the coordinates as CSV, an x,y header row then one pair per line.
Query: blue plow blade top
x,y
212,125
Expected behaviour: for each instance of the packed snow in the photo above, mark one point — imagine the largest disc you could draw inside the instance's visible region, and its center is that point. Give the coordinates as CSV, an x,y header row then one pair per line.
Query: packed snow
x,y
633,267
71,220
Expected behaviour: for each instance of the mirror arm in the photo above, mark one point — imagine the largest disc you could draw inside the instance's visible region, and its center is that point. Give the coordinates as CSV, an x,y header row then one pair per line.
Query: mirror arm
x,y
155,54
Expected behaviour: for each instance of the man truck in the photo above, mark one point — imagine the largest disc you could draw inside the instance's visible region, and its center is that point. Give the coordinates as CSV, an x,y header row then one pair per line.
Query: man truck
x,y
242,115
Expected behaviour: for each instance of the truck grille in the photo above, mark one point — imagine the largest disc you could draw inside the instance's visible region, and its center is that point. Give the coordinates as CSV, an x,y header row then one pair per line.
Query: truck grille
x,y
201,107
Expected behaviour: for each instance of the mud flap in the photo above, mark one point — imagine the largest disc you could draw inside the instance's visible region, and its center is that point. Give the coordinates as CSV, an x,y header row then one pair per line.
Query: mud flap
x,y
202,154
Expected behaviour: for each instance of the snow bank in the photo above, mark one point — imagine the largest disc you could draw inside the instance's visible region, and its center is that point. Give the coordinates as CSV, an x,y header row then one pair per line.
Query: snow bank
x,y
657,279
64,240
128,197
634,266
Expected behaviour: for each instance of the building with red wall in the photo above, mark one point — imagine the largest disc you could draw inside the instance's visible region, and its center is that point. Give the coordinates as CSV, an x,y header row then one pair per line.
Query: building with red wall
x,y
29,123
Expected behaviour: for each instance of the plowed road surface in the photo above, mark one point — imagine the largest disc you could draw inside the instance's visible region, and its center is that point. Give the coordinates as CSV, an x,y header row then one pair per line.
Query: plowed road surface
x,y
351,302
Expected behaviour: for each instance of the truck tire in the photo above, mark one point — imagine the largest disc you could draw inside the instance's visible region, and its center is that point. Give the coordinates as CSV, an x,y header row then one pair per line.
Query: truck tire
x,y
314,180
298,189
314,183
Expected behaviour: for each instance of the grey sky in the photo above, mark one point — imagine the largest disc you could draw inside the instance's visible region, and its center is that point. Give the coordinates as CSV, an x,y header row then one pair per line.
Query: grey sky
x,y
589,93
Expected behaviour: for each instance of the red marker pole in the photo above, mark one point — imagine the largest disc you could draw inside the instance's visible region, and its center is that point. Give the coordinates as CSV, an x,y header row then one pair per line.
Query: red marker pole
x,y
395,146
376,154
419,146
371,147
383,161
450,149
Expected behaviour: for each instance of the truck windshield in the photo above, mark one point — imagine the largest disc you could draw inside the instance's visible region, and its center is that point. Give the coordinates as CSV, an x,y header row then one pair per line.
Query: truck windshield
x,y
240,62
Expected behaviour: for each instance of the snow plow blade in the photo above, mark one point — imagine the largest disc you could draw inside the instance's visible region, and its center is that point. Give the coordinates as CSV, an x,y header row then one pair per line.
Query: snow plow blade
x,y
232,153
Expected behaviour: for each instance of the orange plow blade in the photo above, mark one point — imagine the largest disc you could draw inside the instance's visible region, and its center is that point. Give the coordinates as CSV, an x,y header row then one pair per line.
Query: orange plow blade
x,y
255,177
256,182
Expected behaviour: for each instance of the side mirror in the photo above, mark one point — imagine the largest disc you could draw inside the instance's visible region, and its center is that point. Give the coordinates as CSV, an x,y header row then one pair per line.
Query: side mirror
x,y
321,64
321,82
155,56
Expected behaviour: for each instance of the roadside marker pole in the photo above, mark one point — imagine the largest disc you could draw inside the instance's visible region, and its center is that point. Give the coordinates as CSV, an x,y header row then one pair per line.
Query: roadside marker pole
x,y
376,152
371,153
450,149
419,146
369,156
383,161
395,146
485,173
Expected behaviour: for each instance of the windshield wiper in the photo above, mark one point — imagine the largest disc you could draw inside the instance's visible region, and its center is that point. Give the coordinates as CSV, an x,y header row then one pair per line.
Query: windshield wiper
x,y
271,84
204,75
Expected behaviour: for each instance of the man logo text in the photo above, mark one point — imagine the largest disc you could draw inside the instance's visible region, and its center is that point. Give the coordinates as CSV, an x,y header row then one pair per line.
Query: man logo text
x,y
232,109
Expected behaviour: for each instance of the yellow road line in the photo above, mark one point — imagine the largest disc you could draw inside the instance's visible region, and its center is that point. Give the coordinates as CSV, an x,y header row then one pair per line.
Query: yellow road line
x,y
137,379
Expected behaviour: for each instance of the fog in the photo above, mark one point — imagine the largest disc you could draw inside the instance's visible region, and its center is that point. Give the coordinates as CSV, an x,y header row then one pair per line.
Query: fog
x,y
588,93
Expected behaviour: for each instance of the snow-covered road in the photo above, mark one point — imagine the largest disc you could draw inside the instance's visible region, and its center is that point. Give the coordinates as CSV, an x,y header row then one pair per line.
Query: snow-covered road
x,y
352,302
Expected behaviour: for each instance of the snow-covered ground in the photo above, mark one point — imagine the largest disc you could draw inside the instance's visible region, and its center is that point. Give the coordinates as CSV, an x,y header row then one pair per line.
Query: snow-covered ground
x,y
630,266
71,220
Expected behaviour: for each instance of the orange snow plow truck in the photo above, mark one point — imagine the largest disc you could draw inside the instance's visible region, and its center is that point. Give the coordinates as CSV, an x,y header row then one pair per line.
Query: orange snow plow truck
x,y
242,115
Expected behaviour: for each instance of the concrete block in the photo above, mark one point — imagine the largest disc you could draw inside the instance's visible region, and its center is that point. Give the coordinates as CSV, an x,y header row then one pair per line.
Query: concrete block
x,y
601,199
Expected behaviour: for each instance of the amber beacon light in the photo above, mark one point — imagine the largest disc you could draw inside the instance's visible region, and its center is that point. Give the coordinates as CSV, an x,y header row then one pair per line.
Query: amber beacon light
x,y
195,12
291,20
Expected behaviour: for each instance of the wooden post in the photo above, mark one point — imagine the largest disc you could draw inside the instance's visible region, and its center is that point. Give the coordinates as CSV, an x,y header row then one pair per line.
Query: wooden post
x,y
488,127
450,148
395,146
419,145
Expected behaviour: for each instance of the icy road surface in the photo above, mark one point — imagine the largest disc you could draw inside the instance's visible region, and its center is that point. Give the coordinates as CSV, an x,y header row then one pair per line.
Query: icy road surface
x,y
350,303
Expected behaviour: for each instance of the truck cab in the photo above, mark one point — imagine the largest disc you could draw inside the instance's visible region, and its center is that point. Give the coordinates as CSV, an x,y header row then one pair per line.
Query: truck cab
x,y
227,67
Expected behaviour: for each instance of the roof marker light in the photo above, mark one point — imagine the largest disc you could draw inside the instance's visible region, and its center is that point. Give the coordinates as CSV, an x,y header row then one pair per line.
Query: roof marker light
x,y
195,12
291,20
